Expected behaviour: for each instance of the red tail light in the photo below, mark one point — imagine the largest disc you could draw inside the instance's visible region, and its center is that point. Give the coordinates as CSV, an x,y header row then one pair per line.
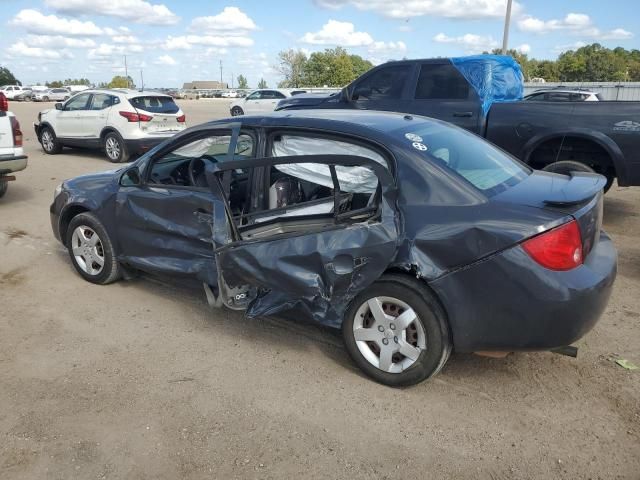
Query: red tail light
x,y
182,118
17,133
4,103
136,117
557,249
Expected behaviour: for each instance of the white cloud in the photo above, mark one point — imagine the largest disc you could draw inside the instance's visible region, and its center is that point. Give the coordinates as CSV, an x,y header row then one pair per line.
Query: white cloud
x,y
415,8
165,60
470,42
525,48
338,33
105,50
137,11
58,41
397,49
231,21
574,23
21,49
129,39
186,42
571,46
35,22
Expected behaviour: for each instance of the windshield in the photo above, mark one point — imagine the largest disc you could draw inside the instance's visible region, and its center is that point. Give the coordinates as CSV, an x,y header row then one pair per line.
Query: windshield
x,y
155,104
478,162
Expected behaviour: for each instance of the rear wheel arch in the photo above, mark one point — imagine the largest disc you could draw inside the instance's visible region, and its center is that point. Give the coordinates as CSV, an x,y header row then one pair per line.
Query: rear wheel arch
x,y
590,148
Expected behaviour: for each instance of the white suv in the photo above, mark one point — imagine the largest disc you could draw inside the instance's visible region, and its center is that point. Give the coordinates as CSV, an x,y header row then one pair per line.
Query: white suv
x,y
11,91
12,157
261,101
122,122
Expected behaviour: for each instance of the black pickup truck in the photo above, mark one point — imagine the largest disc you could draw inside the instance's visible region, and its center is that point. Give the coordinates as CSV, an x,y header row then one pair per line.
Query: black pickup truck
x,y
561,137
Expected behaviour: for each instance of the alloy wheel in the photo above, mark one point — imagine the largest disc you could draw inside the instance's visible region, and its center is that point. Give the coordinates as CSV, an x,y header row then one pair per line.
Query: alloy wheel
x,y
47,140
87,250
112,146
389,334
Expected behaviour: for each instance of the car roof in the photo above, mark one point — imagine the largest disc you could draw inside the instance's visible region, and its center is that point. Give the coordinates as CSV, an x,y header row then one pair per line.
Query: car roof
x,y
126,92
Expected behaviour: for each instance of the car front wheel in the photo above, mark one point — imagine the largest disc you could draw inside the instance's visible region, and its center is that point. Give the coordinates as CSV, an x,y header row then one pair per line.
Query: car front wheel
x,y
4,185
91,250
49,142
396,332
236,111
115,148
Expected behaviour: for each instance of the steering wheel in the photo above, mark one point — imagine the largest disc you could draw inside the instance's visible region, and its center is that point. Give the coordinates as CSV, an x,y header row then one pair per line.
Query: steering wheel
x,y
196,171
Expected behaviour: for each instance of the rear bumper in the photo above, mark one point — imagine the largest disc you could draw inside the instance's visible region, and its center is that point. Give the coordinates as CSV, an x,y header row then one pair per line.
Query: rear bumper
x,y
142,145
12,163
509,302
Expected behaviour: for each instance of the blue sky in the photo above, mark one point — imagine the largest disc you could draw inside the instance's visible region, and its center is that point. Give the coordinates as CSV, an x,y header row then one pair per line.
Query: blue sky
x,y
176,41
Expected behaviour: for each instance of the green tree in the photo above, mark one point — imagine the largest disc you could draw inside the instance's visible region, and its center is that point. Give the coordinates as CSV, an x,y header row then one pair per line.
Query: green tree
x,y
333,68
242,82
291,66
55,84
121,82
262,83
7,78
546,69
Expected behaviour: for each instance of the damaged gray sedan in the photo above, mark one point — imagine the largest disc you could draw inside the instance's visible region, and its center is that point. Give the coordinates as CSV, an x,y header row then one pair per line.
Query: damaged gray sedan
x,y
411,235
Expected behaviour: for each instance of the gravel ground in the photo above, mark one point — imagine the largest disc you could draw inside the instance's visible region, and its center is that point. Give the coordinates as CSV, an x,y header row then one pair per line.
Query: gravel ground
x,y
140,380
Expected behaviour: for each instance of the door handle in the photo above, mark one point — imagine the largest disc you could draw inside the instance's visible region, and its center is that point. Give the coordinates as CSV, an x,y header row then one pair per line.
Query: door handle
x,y
463,114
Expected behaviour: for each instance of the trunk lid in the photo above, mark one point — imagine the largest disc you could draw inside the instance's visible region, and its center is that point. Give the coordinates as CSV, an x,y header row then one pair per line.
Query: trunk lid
x,y
579,195
162,109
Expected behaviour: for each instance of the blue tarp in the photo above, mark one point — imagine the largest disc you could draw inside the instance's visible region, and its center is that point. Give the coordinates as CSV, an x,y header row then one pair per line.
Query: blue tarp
x,y
496,78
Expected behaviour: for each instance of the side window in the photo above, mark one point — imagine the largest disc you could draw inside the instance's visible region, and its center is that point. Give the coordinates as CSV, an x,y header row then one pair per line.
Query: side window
x,y
300,191
185,166
277,95
101,101
254,96
78,102
441,81
387,83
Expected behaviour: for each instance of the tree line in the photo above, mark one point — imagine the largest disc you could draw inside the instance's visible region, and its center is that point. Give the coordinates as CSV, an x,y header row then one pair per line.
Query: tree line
x,y
591,63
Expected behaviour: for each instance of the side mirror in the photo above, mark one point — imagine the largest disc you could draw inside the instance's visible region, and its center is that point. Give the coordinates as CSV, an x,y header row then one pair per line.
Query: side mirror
x,y
58,106
131,178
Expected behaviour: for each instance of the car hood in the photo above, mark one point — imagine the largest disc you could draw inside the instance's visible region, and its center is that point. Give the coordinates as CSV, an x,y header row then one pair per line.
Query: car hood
x,y
94,181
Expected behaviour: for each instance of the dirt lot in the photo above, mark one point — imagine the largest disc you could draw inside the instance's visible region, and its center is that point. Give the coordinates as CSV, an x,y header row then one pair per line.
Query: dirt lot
x,y
140,380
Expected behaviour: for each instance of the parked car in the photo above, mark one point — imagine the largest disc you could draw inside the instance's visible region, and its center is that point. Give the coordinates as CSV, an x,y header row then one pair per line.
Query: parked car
x,y
413,236
53,94
260,101
121,122
583,136
24,96
190,95
12,156
10,91
563,95
229,94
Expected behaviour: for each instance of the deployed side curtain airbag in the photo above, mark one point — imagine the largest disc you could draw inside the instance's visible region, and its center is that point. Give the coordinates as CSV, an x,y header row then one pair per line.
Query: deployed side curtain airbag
x,y
351,179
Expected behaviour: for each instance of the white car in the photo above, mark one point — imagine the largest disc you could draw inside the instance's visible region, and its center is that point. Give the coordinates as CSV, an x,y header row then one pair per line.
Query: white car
x,y
229,94
12,157
53,94
561,95
119,121
261,101
10,91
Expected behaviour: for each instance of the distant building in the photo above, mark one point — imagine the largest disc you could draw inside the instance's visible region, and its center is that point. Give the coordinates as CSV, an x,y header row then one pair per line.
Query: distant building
x,y
204,85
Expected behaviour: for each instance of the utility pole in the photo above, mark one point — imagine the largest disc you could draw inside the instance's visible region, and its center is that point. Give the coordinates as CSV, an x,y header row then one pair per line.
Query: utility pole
x,y
507,22
126,71
141,80
231,79
220,72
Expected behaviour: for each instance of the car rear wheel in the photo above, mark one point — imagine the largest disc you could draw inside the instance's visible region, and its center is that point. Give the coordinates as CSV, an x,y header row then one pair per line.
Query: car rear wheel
x,y
396,332
46,99
91,250
4,185
115,148
49,142
236,111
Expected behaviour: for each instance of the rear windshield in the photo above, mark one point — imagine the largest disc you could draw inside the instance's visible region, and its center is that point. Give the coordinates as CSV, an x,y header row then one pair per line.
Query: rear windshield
x,y
155,104
478,162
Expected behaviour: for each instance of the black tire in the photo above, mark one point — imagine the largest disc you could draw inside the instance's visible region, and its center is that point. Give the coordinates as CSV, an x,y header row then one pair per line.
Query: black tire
x,y
430,315
115,148
45,99
49,141
111,270
236,111
3,187
565,167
